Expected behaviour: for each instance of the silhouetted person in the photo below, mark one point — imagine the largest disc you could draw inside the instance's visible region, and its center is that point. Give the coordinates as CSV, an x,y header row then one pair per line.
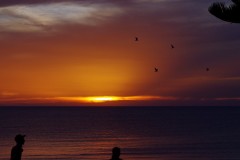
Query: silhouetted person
x,y
16,152
229,13
156,69
116,153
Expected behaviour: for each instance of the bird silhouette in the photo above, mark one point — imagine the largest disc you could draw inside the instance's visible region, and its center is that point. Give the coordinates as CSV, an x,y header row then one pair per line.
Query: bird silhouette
x,y
136,38
207,69
156,69
229,13
172,46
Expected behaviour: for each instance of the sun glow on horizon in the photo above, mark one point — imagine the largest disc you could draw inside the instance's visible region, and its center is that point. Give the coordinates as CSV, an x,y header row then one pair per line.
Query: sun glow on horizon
x,y
78,100
93,99
101,99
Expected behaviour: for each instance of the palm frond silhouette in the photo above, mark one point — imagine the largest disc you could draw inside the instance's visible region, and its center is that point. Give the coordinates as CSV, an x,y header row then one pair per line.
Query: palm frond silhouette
x,y
228,13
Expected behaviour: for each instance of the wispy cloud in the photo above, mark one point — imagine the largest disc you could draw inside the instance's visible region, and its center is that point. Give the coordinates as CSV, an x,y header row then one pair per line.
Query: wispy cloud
x,y
228,99
149,1
39,17
8,94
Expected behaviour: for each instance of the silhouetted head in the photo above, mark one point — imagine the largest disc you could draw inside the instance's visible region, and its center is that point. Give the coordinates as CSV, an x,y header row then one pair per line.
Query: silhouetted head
x,y
20,139
116,151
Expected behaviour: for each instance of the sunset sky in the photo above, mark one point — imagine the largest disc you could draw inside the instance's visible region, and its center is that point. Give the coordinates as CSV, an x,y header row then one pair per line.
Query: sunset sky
x,y
80,52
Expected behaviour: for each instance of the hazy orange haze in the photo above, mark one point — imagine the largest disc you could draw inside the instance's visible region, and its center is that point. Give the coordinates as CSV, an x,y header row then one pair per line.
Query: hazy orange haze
x,y
84,49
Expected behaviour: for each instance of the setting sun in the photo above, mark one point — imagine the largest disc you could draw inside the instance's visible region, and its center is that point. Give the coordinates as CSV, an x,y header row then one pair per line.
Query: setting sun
x,y
102,99
91,99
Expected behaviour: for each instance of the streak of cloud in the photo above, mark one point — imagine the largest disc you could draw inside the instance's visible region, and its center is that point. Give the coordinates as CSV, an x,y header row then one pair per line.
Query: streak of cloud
x,y
231,98
8,94
39,17
149,1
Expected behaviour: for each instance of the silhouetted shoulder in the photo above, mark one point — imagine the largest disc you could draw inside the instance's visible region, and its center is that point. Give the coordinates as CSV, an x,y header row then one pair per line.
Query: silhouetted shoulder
x,y
16,153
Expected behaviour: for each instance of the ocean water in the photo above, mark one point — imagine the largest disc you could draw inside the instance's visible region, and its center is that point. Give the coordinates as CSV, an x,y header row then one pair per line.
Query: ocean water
x,y
142,133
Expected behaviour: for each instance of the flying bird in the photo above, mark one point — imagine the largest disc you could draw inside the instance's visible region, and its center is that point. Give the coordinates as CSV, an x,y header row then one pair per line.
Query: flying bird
x,y
136,38
172,46
207,69
156,69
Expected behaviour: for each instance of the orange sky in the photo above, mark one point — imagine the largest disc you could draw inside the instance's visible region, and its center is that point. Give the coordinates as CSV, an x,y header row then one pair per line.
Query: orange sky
x,y
89,49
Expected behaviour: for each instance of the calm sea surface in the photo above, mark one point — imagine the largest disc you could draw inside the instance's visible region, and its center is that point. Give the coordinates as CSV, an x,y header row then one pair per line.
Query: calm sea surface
x,y
143,133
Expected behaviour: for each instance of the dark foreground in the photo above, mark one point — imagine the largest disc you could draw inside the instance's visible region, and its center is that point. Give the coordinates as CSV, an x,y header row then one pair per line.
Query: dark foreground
x,y
143,133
